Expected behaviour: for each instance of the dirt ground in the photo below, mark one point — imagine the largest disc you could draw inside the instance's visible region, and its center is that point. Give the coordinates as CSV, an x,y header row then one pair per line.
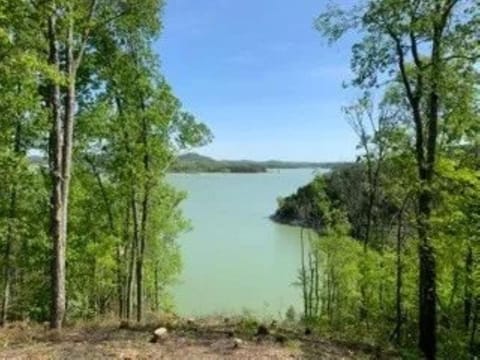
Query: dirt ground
x,y
189,341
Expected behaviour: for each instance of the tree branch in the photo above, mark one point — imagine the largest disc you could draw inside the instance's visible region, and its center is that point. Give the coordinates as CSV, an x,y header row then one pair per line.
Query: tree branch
x,y
413,99
85,36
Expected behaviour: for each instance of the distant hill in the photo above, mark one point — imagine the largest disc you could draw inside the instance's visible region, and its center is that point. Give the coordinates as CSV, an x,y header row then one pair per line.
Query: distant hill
x,y
193,162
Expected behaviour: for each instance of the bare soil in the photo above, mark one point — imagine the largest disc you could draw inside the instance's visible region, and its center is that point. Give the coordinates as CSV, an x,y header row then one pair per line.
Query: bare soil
x,y
185,340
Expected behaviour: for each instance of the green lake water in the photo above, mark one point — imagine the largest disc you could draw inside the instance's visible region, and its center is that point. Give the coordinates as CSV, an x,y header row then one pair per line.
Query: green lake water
x,y
235,258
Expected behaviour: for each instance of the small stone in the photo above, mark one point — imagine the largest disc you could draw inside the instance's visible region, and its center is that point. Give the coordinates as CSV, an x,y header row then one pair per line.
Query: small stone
x,y
308,331
237,343
190,321
159,334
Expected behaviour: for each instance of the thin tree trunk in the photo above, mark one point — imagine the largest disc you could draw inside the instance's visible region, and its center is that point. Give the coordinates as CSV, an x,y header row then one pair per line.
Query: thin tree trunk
x,y
145,212
111,224
468,293
131,240
317,285
7,266
372,183
473,332
139,281
131,269
141,255
124,277
311,285
12,215
125,281
303,276
133,256
69,122
157,289
6,286
399,281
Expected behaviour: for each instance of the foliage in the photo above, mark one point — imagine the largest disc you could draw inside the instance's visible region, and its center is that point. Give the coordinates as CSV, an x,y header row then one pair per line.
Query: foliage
x,y
96,58
419,155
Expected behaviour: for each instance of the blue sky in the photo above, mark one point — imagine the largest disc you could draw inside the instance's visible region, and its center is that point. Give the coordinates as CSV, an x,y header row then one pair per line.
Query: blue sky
x,y
260,76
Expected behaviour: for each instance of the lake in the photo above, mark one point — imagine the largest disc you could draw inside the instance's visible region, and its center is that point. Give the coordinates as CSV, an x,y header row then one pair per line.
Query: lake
x,y
235,258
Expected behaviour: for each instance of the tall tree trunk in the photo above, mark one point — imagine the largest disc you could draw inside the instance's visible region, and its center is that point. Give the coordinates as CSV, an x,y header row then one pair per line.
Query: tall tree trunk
x,y
62,146
428,292
57,228
69,122
145,212
427,284
141,253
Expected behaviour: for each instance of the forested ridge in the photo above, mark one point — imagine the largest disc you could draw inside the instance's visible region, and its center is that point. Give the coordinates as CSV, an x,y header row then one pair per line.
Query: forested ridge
x,y
195,163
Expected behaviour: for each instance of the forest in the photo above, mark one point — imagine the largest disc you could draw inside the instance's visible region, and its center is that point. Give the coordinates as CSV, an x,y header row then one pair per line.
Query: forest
x,y
67,70
393,240
90,128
